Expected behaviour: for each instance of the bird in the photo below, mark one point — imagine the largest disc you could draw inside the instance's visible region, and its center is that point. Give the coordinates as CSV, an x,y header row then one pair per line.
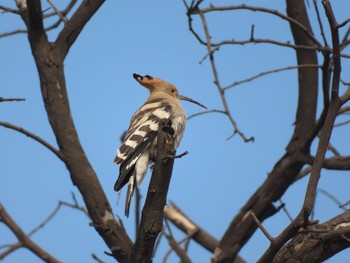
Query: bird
x,y
138,148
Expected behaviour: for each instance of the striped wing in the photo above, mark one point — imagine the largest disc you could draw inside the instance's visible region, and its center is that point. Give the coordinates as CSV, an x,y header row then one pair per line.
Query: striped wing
x,y
140,137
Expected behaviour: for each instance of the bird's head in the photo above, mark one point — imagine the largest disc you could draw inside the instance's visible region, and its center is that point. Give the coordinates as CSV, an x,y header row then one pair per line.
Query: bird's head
x,y
156,85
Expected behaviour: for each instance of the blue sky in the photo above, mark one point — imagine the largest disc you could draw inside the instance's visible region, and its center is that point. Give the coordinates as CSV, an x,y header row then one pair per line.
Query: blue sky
x,y
210,184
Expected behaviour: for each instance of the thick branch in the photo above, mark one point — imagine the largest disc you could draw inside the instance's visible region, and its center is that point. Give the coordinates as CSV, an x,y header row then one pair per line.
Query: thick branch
x,y
36,31
322,242
153,210
76,24
333,163
49,61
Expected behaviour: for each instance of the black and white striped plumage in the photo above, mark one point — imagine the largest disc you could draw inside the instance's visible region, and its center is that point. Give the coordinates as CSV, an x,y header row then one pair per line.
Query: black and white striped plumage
x,y
138,147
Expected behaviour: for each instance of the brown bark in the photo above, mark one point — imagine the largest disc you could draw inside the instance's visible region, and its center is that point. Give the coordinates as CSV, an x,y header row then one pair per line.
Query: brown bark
x,y
288,167
153,211
322,242
49,59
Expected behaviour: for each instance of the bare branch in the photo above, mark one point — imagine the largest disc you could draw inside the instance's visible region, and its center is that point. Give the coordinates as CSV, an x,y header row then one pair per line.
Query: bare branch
x,y
217,81
262,228
178,250
206,112
57,11
343,23
95,257
320,23
330,117
186,225
264,10
34,137
314,245
9,10
54,212
11,249
11,99
19,31
269,72
153,211
71,30
23,238
332,197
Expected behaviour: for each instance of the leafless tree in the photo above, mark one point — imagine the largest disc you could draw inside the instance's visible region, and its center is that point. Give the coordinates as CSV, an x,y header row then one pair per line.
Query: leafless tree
x,y
303,240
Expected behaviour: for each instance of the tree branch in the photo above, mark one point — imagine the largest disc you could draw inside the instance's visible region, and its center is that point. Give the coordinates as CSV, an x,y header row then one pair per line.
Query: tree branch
x,y
330,118
58,153
217,81
71,30
49,60
291,20
193,230
23,238
320,243
153,210
11,99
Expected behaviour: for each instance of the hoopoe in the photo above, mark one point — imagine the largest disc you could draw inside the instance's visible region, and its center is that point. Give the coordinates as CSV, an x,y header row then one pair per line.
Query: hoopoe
x,y
139,145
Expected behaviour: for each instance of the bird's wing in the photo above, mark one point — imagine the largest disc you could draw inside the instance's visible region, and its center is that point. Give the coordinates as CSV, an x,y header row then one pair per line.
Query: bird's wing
x,y
141,134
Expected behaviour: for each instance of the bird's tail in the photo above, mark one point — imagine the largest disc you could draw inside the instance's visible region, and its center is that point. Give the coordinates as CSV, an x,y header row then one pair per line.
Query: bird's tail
x,y
129,194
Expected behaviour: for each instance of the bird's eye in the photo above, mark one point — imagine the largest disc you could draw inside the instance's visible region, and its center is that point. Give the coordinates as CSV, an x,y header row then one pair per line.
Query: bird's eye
x,y
172,90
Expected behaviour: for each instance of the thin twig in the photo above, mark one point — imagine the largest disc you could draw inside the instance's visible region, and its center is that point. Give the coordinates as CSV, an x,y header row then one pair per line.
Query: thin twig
x,y
320,23
260,9
34,137
345,204
178,156
341,123
11,99
206,112
57,11
283,207
9,10
343,23
269,72
207,55
23,238
332,197
333,149
11,249
95,257
217,81
18,31
54,212
178,250
262,228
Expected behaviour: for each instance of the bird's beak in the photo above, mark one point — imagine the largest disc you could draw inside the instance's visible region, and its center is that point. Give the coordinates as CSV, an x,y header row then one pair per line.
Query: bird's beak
x,y
191,100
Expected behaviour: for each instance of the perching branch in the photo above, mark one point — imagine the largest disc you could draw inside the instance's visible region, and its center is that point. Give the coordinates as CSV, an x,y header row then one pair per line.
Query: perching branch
x,y
153,211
